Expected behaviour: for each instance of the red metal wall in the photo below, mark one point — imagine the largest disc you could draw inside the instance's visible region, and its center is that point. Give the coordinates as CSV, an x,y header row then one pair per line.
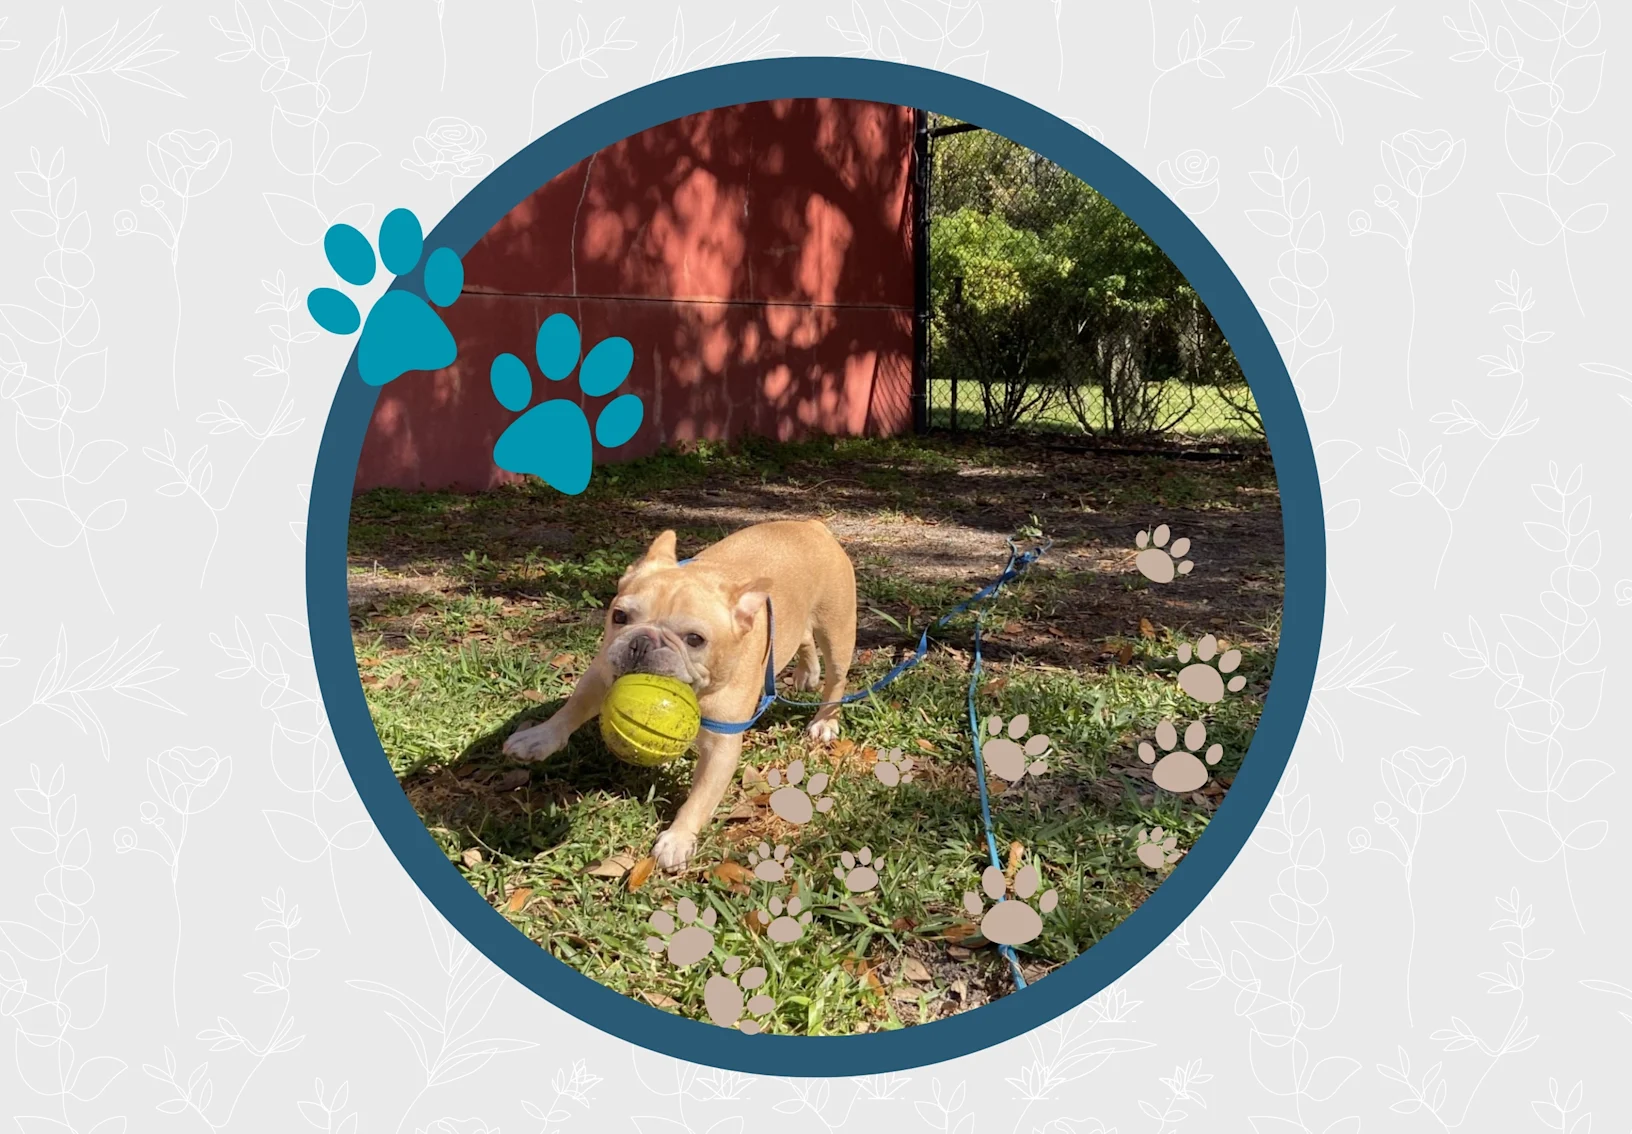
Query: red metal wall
x,y
758,258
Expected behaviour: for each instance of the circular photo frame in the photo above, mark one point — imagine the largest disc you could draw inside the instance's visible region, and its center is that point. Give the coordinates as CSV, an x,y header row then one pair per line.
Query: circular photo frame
x,y
1302,611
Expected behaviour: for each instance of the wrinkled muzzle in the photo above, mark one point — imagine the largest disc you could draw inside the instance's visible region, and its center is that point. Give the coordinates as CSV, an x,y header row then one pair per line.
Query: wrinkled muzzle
x,y
644,649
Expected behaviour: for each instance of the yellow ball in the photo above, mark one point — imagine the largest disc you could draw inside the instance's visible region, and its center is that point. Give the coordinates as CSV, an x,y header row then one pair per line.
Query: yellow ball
x,y
649,720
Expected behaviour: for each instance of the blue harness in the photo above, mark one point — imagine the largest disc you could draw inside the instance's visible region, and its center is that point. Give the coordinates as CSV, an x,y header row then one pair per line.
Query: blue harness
x,y
1016,566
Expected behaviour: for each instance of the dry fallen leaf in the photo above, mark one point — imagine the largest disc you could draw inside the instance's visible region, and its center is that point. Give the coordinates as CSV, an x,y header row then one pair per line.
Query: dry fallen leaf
x,y
658,1000
925,745
843,748
518,900
960,989
514,779
1146,630
862,970
958,953
731,873
1016,854
562,661
962,931
534,696
472,857
615,867
370,679
641,871
915,971
1125,654
995,686
903,924
905,995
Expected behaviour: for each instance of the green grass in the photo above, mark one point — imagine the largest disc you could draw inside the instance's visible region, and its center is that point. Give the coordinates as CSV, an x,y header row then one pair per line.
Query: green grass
x,y
1213,417
498,636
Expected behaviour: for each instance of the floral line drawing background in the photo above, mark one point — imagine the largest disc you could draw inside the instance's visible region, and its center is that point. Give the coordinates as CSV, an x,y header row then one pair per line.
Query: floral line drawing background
x,y
162,409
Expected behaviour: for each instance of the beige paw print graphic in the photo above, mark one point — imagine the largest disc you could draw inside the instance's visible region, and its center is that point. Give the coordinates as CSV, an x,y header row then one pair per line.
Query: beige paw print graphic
x,y
1004,756
859,871
1011,922
690,943
1202,677
1157,849
893,768
784,924
1180,770
1159,562
794,803
722,996
769,865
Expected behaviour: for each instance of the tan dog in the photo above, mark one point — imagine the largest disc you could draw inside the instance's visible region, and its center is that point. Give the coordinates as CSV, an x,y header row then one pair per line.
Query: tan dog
x,y
705,623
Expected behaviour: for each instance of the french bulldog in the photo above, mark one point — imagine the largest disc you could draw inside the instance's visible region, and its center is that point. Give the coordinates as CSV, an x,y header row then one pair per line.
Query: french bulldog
x,y
705,623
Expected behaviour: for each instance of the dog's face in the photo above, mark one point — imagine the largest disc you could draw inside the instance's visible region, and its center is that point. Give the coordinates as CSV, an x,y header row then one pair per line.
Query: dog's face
x,y
678,622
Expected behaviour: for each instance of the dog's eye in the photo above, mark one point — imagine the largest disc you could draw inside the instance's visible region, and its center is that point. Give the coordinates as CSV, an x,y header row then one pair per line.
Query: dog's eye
x,y
619,618
695,641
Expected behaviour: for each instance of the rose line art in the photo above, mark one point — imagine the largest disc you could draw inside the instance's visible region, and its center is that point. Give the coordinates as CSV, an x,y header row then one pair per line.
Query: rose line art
x,y
1421,164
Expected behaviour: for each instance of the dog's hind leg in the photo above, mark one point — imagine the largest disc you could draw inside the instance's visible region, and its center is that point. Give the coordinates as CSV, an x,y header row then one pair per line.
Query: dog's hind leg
x,y
838,646
807,673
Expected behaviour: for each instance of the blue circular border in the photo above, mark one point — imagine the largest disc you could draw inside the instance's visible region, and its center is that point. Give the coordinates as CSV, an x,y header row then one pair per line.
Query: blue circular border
x,y
1147,927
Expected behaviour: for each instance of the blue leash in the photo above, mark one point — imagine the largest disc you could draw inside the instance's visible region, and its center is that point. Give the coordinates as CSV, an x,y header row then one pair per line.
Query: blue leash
x,y
1017,565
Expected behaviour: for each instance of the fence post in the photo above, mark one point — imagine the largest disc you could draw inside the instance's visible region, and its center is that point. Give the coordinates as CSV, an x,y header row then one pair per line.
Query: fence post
x,y
920,266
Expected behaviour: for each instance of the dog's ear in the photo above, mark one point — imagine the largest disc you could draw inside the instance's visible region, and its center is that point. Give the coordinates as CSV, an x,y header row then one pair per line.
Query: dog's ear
x,y
660,554
747,601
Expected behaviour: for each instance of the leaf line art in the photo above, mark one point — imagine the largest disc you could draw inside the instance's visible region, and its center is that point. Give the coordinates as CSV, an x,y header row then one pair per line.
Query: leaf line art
x,y
444,1038
758,42
573,1087
302,755
67,72
49,397
1421,782
690,1084
1301,270
50,982
68,691
1284,986
1191,50
1533,132
1074,1046
946,25
1551,692
1299,71
326,1112
815,1097
1362,675
1428,477
1430,1091
188,782
1421,164
318,77
188,163
197,478
198,1092
577,48
1181,1087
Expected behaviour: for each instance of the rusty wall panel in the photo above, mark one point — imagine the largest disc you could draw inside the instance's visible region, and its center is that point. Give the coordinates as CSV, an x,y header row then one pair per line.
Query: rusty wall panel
x,y
757,257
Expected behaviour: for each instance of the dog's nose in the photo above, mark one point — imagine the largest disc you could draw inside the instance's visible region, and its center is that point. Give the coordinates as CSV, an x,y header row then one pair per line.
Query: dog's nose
x,y
643,642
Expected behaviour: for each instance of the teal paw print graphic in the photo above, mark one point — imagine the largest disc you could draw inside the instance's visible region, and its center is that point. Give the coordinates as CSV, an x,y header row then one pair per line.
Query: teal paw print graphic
x,y
552,440
402,333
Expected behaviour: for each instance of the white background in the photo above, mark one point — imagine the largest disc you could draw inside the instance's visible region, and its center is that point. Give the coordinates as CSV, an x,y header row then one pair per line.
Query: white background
x,y
108,548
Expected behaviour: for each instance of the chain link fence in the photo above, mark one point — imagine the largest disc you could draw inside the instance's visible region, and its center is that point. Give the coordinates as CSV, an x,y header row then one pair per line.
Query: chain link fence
x,y
1050,311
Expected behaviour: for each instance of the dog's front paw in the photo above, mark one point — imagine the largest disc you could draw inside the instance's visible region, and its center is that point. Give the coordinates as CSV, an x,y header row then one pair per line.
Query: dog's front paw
x,y
674,848
537,743
824,730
